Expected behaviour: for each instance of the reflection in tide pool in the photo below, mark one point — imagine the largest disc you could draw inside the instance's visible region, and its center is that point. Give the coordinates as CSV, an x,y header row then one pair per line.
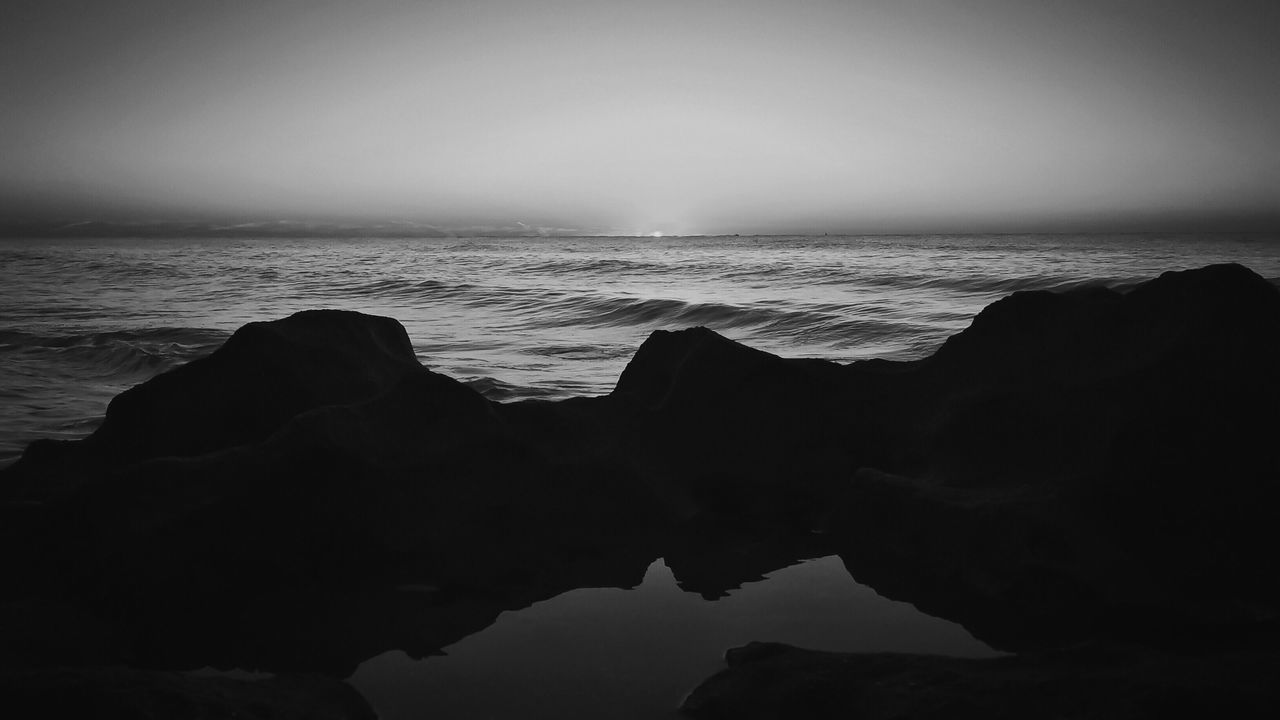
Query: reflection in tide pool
x,y
609,653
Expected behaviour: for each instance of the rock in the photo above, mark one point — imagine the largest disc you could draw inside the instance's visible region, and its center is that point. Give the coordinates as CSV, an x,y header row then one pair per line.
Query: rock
x,y
263,376
1081,467
741,434
691,368
770,680
128,694
1083,463
1089,334
1085,467
423,482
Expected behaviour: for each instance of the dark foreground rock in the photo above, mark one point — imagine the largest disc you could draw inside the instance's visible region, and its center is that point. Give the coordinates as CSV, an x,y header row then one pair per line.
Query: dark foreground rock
x,y
121,693
1086,463
768,681
262,377
1086,467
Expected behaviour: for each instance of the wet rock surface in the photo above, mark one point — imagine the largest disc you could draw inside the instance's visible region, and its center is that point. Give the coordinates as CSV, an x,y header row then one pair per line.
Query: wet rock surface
x,y
1086,467
767,680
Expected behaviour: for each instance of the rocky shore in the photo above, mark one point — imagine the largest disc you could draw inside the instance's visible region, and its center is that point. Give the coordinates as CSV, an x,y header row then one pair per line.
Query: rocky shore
x,y
1088,480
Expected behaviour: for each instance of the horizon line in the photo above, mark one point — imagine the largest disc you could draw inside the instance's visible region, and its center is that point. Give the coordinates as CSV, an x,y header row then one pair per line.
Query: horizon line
x,y
397,228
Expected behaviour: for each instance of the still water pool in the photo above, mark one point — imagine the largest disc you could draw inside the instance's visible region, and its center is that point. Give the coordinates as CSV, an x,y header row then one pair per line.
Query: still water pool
x,y
612,653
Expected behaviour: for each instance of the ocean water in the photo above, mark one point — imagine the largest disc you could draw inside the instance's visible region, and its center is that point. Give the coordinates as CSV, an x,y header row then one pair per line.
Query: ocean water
x,y
83,319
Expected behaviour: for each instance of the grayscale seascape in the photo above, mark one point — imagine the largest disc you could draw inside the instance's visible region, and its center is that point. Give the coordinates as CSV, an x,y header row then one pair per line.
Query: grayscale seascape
x,y
705,359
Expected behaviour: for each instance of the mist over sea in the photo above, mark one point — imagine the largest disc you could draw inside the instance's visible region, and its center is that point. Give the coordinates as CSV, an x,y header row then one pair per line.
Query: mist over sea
x,y
83,319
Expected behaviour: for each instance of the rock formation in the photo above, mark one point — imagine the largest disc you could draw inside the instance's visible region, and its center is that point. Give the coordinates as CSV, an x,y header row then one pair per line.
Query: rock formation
x,y
1086,467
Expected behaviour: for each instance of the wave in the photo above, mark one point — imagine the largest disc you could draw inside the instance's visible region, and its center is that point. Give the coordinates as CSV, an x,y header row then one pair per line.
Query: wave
x,y
550,307
499,391
114,353
986,285
394,288
836,324
583,352
605,266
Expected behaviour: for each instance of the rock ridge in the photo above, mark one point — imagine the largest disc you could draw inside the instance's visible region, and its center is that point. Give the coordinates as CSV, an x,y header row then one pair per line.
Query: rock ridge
x,y
1091,468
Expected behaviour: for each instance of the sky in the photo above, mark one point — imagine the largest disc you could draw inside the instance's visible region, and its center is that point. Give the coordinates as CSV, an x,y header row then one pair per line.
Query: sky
x,y
696,116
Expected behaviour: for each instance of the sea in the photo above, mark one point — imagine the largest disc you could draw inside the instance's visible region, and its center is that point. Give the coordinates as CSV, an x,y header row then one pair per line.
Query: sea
x,y
82,319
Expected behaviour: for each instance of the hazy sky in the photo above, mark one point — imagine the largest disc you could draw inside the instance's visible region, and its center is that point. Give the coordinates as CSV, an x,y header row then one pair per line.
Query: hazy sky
x,y
689,116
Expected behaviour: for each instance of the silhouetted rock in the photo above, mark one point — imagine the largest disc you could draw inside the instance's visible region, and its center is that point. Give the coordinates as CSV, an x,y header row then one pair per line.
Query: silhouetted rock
x,y
263,376
417,481
1085,463
743,435
1089,466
